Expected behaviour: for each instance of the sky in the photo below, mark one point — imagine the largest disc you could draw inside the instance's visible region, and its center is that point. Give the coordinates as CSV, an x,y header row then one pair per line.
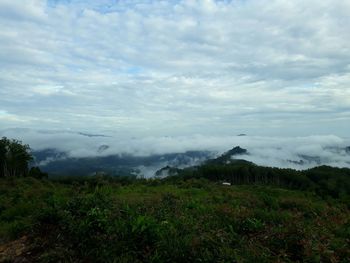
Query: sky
x,y
176,68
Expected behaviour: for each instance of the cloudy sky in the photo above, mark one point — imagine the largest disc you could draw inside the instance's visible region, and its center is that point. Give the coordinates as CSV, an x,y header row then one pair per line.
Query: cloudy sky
x,y
176,68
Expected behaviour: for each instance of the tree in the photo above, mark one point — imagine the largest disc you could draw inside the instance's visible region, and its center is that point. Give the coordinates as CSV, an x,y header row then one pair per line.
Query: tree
x,y
37,173
14,158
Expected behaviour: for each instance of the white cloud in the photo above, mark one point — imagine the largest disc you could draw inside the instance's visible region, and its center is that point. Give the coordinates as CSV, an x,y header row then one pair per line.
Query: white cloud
x,y
150,68
288,152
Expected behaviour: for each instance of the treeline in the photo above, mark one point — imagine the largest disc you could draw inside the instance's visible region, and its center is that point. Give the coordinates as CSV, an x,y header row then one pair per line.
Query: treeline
x,y
324,180
15,158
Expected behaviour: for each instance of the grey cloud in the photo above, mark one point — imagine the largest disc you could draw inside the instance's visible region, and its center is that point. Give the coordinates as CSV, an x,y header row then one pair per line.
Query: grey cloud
x,y
287,152
177,67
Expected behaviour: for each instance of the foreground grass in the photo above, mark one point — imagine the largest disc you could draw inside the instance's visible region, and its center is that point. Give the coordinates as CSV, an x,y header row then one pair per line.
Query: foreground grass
x,y
185,221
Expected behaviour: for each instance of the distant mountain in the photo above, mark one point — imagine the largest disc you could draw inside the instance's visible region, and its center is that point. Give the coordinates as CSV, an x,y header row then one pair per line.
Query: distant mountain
x,y
167,171
236,151
310,159
43,157
229,156
59,163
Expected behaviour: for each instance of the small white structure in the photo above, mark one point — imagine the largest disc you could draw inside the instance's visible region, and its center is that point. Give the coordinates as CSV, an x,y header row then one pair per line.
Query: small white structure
x,y
226,183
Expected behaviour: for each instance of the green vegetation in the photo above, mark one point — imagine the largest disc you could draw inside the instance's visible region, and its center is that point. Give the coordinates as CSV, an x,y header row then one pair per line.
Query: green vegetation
x,y
15,158
267,215
324,180
180,220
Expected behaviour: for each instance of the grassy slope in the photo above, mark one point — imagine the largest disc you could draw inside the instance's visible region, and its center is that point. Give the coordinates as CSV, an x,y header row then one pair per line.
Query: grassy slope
x,y
185,221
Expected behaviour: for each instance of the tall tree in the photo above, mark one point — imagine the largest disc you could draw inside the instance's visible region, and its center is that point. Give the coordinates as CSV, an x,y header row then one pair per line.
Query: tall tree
x,y
14,158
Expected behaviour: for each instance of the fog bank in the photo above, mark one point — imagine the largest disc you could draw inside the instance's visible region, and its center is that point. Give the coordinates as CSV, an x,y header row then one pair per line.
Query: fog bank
x,y
287,152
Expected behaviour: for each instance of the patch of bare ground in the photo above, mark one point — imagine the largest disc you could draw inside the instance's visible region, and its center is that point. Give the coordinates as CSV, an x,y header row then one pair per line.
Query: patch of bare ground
x,y
15,251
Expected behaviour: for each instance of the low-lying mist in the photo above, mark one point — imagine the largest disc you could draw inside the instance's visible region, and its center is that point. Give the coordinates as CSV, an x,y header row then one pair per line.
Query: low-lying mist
x,y
284,152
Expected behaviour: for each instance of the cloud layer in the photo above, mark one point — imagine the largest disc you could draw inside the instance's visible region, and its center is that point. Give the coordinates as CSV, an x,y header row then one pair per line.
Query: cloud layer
x,y
158,68
286,152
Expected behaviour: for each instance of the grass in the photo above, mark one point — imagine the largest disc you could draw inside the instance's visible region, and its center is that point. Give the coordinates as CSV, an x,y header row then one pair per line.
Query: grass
x,y
184,221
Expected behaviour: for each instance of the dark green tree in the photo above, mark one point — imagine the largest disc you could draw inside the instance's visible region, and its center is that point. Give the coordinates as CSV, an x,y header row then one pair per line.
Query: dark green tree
x,y
37,173
14,158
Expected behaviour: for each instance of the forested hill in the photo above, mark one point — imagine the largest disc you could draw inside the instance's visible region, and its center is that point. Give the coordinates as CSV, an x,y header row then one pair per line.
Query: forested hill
x,y
324,180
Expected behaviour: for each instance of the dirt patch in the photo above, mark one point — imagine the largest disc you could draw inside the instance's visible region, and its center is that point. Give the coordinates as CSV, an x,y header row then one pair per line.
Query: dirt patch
x,y
15,251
